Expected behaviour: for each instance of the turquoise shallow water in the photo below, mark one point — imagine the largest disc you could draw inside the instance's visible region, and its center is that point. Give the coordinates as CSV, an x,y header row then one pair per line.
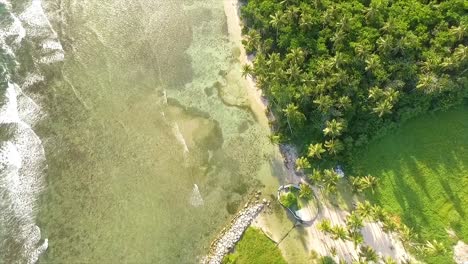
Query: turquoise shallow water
x,y
148,140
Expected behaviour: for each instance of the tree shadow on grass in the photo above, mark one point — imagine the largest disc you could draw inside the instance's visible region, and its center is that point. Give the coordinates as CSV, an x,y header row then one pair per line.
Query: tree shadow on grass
x,y
418,196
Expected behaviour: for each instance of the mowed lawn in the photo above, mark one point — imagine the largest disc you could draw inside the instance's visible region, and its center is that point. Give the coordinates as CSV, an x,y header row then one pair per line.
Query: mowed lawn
x,y
255,248
422,169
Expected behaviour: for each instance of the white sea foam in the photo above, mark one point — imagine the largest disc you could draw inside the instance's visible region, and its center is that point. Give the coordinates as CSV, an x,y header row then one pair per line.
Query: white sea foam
x,y
196,199
180,137
52,44
36,19
59,56
36,24
9,110
32,79
22,162
17,29
164,97
22,157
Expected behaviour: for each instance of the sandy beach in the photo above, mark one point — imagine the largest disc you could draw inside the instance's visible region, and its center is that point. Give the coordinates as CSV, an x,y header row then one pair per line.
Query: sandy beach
x,y
258,102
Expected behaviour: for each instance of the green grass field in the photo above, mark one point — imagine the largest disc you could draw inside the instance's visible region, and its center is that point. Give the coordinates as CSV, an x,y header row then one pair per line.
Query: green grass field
x,y
423,176
255,248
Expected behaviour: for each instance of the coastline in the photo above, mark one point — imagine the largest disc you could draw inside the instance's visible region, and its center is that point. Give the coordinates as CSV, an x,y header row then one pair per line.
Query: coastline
x,y
258,103
385,243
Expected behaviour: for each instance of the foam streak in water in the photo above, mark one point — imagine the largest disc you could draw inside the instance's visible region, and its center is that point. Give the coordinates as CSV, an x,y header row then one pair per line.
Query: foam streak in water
x,y
180,137
196,199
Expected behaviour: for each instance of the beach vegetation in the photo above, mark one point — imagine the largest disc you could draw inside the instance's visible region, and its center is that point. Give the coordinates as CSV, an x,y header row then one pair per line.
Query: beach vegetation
x,y
305,192
289,200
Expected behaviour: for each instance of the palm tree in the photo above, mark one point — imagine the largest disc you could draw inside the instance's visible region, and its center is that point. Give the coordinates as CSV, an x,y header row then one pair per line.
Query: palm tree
x,y
361,50
253,40
338,38
344,102
372,12
274,61
305,191
369,182
354,222
338,60
334,146
356,183
375,93
294,71
364,209
292,13
379,214
460,53
434,247
356,237
315,176
389,225
340,77
427,82
447,63
368,254
459,32
329,14
389,26
324,103
372,62
382,108
325,226
339,232
316,150
392,94
406,234
344,23
302,163
330,180
322,67
293,115
246,70
276,21
385,43
296,55
306,21
333,128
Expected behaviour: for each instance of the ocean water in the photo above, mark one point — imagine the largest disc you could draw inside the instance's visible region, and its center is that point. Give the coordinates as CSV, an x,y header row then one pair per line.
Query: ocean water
x,y
125,131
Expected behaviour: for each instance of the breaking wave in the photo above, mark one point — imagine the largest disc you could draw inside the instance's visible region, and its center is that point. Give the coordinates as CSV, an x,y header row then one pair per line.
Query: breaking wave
x,y
22,156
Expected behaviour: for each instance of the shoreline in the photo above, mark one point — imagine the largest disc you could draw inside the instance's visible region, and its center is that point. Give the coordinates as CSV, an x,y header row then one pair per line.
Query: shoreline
x,y
258,103
228,237
315,240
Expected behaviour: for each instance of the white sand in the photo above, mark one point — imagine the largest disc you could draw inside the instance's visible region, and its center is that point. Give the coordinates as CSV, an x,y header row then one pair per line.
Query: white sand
x,y
232,11
460,253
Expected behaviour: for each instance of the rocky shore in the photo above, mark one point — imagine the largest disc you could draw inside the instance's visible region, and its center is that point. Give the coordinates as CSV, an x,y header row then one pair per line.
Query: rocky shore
x,y
233,233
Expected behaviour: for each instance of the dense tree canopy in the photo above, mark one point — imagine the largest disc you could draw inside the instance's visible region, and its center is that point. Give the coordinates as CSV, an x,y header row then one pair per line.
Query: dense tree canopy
x,y
338,72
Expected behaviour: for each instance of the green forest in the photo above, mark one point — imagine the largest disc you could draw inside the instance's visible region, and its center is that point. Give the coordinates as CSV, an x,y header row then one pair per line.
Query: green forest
x,y
340,74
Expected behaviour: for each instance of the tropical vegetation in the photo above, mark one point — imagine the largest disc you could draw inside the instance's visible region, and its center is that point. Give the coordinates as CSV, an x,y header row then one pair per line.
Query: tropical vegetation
x,y
289,200
337,73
